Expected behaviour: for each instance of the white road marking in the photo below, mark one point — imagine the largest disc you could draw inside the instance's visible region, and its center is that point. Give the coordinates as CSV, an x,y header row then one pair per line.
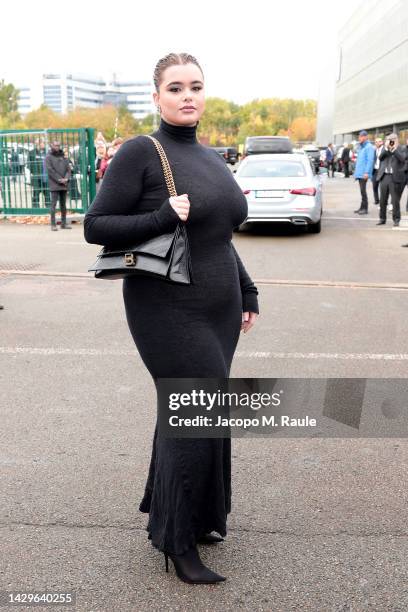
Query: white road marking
x,y
342,356
257,281
15,350
356,218
390,227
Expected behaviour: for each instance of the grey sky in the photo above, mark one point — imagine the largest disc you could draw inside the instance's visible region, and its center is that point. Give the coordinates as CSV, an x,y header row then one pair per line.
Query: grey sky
x,y
247,50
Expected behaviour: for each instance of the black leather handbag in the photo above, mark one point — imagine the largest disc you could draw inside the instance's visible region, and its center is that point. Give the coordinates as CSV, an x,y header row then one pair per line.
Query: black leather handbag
x,y
166,256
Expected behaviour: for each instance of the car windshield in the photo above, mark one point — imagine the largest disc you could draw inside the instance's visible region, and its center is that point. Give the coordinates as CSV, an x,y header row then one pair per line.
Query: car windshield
x,y
273,168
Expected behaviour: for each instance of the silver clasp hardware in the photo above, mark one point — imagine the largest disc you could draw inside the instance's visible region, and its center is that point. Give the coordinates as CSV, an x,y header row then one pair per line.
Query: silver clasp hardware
x,y
130,259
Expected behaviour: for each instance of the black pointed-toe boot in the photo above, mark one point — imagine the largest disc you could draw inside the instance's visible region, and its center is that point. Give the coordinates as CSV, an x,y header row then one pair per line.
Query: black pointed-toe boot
x,y
191,569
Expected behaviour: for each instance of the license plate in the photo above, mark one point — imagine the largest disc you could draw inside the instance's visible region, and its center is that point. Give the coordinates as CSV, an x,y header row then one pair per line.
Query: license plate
x,y
271,194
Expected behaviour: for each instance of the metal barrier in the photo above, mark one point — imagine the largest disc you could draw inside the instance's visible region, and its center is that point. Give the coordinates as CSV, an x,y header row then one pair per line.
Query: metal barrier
x,y
23,177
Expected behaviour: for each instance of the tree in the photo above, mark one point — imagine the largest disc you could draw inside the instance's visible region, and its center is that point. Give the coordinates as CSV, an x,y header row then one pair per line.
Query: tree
x,y
8,105
8,99
43,118
303,129
224,123
220,123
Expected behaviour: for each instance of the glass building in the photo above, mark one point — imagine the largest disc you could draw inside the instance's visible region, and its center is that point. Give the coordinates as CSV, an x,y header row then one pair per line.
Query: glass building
x,y
63,92
371,75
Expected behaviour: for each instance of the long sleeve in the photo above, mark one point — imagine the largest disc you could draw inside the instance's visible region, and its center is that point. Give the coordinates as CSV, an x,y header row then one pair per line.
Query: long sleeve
x,y
51,170
248,289
112,218
399,154
369,160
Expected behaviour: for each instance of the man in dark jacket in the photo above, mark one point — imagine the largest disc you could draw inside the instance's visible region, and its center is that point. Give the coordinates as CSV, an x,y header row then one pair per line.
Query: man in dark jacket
x,y
330,159
406,169
59,173
38,179
345,160
379,146
391,175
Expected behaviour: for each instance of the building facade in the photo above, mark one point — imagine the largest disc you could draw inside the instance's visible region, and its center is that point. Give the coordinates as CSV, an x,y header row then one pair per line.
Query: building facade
x,y
371,73
64,92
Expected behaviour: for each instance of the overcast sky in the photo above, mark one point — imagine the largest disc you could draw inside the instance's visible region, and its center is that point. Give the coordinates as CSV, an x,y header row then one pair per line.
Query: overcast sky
x,y
247,50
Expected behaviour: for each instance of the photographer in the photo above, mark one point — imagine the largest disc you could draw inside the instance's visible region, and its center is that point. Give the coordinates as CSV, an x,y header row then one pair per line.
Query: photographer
x,y
379,146
391,175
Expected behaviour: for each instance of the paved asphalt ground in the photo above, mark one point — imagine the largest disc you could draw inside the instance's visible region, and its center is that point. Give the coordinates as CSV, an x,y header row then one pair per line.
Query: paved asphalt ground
x,y
316,524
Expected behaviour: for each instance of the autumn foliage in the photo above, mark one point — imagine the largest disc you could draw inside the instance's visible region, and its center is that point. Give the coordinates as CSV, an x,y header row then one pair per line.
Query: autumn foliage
x,y
223,122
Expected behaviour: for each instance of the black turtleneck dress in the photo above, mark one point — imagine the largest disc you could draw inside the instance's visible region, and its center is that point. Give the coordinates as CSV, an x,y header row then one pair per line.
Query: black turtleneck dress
x,y
180,331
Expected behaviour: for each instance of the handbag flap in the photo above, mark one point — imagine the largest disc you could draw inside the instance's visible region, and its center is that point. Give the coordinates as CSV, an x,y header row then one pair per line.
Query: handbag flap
x,y
158,246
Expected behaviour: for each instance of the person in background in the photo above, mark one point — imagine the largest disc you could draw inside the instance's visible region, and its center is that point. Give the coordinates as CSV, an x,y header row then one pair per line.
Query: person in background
x,y
14,165
117,142
379,146
59,173
330,159
107,160
38,178
406,172
392,177
364,169
100,155
74,193
345,160
100,140
353,158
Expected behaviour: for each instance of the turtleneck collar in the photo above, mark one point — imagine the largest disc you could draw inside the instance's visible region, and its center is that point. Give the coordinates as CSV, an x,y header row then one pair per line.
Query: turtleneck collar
x,y
182,133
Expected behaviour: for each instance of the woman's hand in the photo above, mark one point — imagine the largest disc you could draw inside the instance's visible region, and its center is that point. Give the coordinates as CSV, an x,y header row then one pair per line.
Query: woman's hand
x,y
248,320
181,205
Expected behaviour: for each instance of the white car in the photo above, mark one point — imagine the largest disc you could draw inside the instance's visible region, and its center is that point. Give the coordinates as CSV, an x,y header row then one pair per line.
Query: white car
x,y
281,188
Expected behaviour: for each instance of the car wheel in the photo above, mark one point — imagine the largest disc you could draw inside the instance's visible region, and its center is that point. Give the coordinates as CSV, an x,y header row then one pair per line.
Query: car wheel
x,y
315,228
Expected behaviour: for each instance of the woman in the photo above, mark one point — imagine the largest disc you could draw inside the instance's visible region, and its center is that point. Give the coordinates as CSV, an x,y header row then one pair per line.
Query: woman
x,y
181,331
106,161
100,140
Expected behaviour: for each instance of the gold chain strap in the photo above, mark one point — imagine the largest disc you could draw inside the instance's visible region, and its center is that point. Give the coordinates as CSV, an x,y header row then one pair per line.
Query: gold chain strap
x,y
166,167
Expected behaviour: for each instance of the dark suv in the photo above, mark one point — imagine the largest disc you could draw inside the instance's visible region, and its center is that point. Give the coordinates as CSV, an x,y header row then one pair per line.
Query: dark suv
x,y
230,154
267,144
313,153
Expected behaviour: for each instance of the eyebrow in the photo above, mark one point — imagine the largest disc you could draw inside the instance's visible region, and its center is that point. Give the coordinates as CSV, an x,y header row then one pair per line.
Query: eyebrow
x,y
180,83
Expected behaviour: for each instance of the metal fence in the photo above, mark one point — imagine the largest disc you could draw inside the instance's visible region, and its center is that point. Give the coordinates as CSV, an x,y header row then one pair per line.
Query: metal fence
x,y
23,177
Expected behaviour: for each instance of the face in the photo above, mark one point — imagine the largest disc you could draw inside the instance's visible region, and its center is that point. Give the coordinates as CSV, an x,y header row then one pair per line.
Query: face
x,y
362,138
181,86
55,146
378,143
